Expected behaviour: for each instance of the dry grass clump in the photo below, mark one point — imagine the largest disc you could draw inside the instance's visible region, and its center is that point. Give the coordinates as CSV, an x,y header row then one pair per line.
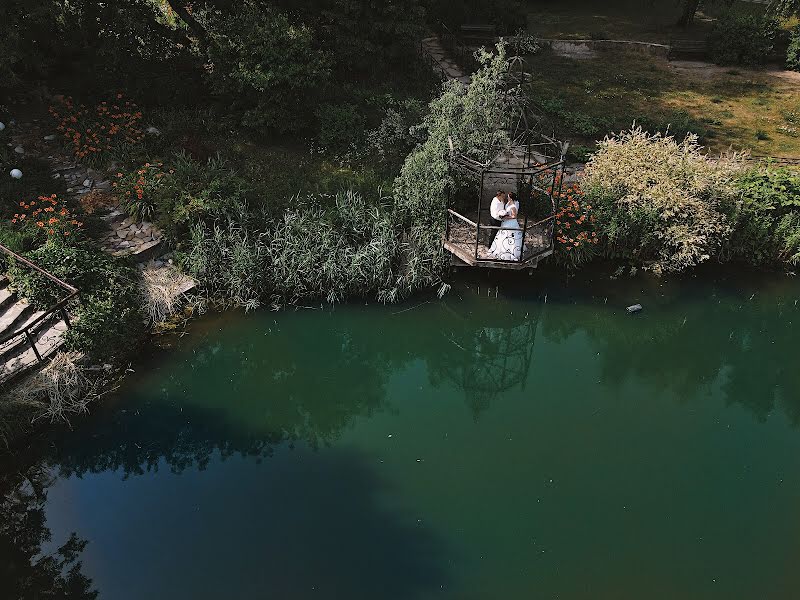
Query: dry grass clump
x,y
56,392
163,290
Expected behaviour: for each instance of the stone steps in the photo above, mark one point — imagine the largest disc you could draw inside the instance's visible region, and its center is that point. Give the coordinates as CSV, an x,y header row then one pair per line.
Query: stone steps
x,y
21,358
14,316
16,354
7,297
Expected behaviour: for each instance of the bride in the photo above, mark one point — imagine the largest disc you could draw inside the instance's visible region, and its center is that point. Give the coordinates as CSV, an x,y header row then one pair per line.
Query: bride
x,y
507,244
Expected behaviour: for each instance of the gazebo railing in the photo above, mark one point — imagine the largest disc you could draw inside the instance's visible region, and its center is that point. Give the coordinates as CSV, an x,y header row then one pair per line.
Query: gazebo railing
x,y
466,234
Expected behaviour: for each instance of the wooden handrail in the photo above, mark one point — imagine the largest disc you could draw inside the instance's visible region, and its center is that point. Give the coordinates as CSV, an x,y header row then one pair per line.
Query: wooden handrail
x,y
28,263
551,217
462,217
58,307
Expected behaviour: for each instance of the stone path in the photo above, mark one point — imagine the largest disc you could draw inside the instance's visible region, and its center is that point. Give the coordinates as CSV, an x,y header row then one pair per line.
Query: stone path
x,y
442,61
125,237
143,242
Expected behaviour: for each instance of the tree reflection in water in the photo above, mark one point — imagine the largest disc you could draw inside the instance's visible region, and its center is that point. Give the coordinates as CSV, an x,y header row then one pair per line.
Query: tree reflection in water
x,y
26,572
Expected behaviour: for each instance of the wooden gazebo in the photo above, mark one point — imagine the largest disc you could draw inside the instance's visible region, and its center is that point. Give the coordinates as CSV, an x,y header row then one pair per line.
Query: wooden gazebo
x,y
533,167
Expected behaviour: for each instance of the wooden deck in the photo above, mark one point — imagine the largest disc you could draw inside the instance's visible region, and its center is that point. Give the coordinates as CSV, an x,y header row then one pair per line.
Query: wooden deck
x,y
461,246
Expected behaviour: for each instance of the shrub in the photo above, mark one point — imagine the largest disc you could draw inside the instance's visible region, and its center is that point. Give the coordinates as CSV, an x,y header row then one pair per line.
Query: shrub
x,y
194,190
339,125
109,321
578,153
395,137
742,39
575,235
140,190
660,202
767,223
46,217
266,62
793,53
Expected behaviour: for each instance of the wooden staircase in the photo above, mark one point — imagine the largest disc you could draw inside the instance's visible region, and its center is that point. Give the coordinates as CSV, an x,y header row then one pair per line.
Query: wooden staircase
x,y
28,337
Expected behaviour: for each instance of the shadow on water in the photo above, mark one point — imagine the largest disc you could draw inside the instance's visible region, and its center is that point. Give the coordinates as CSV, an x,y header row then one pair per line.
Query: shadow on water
x,y
309,525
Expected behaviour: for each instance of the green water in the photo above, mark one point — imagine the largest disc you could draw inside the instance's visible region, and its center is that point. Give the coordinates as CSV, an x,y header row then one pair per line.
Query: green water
x,y
504,443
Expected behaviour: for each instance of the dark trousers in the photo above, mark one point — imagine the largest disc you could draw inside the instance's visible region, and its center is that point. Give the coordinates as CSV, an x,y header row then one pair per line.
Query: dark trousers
x,y
493,232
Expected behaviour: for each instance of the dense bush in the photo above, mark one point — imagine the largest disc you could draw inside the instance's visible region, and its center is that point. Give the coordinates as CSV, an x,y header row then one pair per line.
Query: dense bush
x,y
793,53
266,63
742,39
194,190
660,202
396,135
109,322
767,224
339,125
311,253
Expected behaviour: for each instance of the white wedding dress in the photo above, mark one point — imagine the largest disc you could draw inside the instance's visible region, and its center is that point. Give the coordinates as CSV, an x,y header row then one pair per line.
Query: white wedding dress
x,y
507,244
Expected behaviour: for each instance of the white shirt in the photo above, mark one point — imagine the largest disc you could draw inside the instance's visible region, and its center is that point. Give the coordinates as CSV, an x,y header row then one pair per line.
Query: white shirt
x,y
497,209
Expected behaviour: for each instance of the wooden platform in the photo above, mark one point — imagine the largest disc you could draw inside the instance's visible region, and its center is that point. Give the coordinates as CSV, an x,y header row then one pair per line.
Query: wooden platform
x,y
461,246
463,255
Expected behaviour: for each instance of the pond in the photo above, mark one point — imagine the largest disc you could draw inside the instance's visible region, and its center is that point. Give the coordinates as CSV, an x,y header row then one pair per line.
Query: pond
x,y
506,442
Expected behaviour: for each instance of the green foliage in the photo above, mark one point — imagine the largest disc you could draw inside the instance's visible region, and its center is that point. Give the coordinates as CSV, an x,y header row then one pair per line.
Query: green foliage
x,y
266,62
742,39
194,190
362,37
109,321
578,153
767,223
311,253
395,136
140,190
340,125
659,202
773,188
793,52
472,119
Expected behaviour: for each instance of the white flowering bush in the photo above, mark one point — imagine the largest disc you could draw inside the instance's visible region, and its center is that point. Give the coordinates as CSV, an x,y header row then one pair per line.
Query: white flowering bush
x,y
661,202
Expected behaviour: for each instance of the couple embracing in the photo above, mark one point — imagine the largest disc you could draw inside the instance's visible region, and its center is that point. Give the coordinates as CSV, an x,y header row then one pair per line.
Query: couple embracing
x,y
507,243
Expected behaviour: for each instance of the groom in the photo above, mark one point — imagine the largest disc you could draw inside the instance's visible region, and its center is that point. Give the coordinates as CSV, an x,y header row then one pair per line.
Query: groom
x,y
497,210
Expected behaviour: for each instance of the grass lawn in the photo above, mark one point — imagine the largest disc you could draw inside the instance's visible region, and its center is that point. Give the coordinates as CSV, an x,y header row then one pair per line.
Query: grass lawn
x,y
641,20
746,109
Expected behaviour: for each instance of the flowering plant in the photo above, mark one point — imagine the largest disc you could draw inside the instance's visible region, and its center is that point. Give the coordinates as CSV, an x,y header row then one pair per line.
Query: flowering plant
x,y
574,227
47,217
140,189
90,132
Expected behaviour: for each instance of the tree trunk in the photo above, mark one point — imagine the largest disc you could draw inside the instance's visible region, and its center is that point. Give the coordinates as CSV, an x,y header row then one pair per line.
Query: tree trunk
x,y
689,11
180,9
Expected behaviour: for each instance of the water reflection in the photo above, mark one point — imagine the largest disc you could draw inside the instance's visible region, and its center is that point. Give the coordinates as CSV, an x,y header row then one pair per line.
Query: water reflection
x,y
740,343
244,394
490,352
26,571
